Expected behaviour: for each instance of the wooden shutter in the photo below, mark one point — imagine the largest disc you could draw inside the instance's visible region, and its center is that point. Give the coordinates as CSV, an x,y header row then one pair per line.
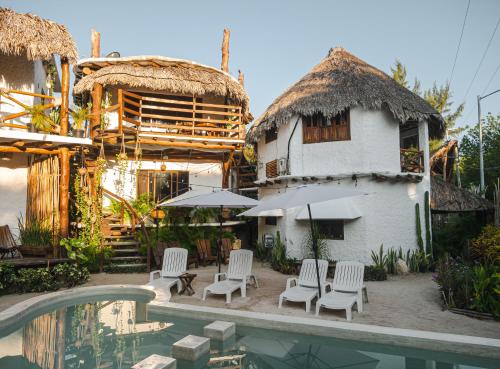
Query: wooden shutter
x,y
272,168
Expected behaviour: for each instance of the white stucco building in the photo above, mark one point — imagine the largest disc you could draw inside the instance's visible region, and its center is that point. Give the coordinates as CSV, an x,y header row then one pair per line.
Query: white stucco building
x,y
347,124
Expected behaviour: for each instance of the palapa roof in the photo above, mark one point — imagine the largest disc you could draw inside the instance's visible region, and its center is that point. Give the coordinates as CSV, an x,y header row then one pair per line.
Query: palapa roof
x,y
448,198
159,73
342,81
35,37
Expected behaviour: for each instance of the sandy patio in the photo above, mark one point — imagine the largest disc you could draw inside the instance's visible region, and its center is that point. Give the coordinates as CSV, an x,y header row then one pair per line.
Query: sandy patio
x,y
410,301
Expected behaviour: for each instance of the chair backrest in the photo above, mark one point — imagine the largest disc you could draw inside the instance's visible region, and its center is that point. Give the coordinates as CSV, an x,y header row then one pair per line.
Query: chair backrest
x,y
308,276
6,239
348,276
174,262
240,264
204,248
227,247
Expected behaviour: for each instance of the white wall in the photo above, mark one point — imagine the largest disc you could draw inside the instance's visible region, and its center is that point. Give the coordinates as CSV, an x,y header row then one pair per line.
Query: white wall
x,y
389,209
13,184
201,176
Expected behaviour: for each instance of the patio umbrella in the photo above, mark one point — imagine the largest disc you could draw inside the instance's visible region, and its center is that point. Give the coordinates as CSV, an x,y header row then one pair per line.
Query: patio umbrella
x,y
304,196
218,199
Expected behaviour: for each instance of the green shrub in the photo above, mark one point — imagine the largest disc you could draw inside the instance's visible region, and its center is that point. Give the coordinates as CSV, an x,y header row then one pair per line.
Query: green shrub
x,y
114,268
7,277
453,237
70,275
486,247
375,273
35,280
486,289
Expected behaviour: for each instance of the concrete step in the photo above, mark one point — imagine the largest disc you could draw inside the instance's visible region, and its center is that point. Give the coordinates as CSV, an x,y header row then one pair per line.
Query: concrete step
x,y
122,243
126,251
127,258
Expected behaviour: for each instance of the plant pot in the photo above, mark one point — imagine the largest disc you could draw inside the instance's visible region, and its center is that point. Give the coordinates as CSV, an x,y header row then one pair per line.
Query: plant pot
x,y
31,127
78,133
43,251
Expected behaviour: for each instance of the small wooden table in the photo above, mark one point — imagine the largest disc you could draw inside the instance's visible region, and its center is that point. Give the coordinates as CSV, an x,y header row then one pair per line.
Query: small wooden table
x,y
186,280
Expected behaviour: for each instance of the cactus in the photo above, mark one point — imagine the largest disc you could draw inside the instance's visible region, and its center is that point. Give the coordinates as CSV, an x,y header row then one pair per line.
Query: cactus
x,y
420,241
427,211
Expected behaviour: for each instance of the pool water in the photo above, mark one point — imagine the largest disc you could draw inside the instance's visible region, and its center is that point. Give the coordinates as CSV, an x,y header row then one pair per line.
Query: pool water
x,y
118,334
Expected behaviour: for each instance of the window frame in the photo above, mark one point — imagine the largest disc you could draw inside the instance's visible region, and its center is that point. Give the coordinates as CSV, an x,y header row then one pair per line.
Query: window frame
x,y
329,235
152,175
271,135
317,129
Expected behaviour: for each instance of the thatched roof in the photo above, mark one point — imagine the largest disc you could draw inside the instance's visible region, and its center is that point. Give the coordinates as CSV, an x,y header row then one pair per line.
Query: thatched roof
x,y
157,73
448,198
442,162
35,37
341,81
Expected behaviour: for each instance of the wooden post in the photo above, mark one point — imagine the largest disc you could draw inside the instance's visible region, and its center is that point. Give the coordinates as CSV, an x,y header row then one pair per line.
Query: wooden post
x,y
95,52
64,192
95,44
64,96
120,110
226,169
60,337
241,78
225,51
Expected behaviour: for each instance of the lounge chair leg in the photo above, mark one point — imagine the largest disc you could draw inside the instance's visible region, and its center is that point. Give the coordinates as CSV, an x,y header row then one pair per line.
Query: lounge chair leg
x,y
244,290
228,298
205,294
256,284
359,302
318,306
348,313
280,302
308,306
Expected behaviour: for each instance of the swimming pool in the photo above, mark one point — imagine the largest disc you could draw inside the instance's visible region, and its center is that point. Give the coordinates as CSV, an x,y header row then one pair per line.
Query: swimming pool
x,y
115,333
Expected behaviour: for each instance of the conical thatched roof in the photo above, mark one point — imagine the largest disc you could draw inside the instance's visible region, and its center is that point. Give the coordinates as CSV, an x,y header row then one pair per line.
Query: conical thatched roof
x,y
341,81
162,74
35,37
448,198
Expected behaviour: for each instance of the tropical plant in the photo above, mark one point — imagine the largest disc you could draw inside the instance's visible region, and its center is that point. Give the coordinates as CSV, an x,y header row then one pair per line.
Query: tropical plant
x,y
454,236
486,247
75,249
7,277
80,114
417,261
379,259
374,273
392,259
486,290
34,233
39,119
323,250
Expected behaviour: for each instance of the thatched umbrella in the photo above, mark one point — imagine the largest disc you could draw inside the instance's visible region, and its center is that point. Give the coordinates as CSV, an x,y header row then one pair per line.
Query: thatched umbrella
x,y
176,76
342,81
35,37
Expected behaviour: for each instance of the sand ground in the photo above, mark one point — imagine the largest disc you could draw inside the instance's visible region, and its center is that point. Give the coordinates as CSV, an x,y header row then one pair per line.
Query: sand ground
x,y
410,301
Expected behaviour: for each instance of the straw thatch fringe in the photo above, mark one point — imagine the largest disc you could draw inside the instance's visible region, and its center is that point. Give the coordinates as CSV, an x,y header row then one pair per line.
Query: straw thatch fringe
x,y
448,198
175,79
35,37
342,81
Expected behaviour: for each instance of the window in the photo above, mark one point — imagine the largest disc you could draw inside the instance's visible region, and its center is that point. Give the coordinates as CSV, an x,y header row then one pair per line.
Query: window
x,y
271,134
331,229
162,185
318,128
271,221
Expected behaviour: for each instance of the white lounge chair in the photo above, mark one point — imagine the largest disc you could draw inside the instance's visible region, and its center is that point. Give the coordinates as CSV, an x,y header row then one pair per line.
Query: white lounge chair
x,y
347,289
174,265
238,275
305,288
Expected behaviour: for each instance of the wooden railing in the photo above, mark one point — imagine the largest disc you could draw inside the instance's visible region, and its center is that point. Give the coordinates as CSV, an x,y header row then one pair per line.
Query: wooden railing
x,y
412,160
165,116
8,120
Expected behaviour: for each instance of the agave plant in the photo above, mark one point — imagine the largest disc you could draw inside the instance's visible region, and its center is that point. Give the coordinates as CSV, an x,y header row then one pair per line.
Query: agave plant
x,y
380,260
39,119
80,114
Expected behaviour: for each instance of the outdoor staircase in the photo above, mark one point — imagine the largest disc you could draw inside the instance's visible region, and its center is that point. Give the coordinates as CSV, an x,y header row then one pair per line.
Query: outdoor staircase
x,y
126,248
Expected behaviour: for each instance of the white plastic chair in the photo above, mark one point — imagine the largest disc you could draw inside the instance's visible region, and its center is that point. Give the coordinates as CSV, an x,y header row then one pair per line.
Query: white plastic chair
x,y
305,288
347,289
174,265
238,275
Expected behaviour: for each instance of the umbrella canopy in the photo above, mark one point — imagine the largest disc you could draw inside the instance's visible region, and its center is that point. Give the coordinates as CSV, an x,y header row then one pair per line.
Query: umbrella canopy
x,y
301,196
216,199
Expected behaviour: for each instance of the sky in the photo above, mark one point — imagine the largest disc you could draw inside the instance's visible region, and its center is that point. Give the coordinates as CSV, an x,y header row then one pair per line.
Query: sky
x,y
274,43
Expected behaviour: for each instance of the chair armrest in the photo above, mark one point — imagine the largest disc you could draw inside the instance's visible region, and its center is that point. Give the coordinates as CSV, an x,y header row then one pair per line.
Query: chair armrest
x,y
153,273
218,277
289,282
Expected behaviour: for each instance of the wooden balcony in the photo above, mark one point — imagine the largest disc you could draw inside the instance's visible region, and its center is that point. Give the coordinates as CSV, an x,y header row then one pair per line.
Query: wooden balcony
x,y
161,121
412,160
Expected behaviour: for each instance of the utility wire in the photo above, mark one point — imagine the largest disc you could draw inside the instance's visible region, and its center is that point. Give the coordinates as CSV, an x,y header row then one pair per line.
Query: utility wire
x,y
491,79
459,43
482,59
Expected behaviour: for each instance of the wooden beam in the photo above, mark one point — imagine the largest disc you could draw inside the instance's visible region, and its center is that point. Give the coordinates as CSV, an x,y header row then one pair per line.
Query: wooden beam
x,y
225,51
95,44
64,96
186,145
241,78
64,192
29,150
226,169
95,120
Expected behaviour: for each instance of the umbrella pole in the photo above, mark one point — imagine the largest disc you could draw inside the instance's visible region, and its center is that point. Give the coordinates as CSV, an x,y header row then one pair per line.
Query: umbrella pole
x,y
315,248
219,246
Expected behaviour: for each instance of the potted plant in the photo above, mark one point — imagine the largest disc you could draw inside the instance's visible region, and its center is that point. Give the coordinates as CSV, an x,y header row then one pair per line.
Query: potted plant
x,y
39,120
80,115
35,237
